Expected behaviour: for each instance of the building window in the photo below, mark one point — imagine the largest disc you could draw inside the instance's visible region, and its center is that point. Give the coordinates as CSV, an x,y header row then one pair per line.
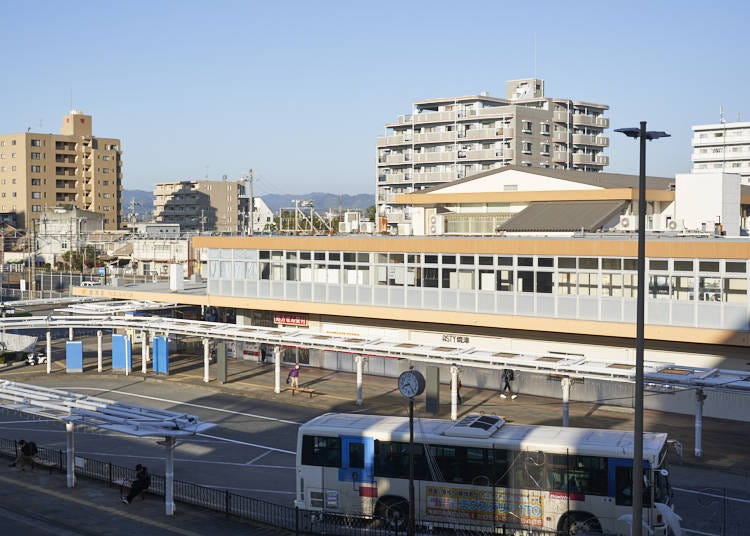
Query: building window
x,y
36,169
526,127
36,208
36,156
526,147
36,143
36,195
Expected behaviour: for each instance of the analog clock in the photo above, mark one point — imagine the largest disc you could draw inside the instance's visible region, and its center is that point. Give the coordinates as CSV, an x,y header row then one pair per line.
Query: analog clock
x,y
411,383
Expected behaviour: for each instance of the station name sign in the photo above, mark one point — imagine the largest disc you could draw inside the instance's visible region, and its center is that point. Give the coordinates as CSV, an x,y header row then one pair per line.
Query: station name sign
x,y
290,319
456,339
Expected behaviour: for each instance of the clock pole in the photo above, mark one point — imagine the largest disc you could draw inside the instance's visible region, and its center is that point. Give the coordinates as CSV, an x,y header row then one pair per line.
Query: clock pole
x,y
411,467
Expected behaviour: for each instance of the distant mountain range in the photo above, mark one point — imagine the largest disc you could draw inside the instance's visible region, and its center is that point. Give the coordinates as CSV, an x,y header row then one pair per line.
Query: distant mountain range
x,y
144,201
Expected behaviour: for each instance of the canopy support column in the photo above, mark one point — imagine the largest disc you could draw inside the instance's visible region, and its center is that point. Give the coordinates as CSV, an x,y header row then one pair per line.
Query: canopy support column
x,y
358,359
565,384
70,455
206,357
169,444
277,369
454,392
98,350
49,351
699,398
144,352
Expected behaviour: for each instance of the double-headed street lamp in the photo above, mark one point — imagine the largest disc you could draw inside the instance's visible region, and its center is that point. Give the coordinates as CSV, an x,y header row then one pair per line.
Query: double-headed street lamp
x,y
637,487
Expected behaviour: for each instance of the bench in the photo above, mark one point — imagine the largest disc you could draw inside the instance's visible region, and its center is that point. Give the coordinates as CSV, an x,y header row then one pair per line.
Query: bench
x,y
308,390
45,463
125,483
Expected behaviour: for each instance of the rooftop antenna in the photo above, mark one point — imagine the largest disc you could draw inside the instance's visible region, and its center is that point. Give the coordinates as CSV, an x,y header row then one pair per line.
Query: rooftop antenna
x,y
71,98
721,115
534,56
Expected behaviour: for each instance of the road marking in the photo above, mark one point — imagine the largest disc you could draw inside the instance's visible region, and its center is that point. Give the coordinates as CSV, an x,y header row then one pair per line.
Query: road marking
x,y
166,527
247,444
180,402
258,457
714,495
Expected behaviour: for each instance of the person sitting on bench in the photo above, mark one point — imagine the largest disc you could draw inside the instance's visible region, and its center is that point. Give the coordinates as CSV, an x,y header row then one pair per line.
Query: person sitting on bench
x,y
140,484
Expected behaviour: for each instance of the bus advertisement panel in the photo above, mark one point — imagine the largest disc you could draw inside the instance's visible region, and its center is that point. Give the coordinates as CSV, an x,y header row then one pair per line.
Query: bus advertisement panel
x,y
477,504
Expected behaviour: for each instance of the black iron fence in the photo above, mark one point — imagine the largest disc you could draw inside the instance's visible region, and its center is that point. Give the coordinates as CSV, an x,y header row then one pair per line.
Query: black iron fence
x,y
250,508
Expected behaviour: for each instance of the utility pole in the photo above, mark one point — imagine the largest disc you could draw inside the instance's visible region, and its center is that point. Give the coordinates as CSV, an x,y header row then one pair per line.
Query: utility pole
x,y
250,205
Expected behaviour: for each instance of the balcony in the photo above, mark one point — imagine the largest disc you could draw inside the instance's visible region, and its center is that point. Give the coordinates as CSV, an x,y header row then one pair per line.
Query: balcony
x,y
560,156
436,117
434,176
561,116
432,158
560,136
590,139
435,137
590,120
721,141
720,155
387,141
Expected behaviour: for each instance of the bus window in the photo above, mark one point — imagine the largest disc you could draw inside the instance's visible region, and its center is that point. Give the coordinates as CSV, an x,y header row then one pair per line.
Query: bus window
x,y
624,489
500,468
357,455
321,451
392,460
584,474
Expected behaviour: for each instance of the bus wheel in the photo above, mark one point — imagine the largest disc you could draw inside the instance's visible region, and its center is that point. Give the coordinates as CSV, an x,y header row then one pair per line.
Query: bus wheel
x,y
395,513
581,524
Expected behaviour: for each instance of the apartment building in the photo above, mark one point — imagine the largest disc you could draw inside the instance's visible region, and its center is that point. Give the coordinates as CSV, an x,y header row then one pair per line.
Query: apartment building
x,y
722,147
40,171
444,140
200,206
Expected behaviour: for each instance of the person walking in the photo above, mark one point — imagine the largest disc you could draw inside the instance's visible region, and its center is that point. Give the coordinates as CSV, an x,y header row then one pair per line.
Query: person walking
x,y
293,378
141,483
508,378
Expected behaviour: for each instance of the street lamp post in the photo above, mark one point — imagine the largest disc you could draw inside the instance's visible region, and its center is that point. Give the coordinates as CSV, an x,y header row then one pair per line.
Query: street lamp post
x,y
637,487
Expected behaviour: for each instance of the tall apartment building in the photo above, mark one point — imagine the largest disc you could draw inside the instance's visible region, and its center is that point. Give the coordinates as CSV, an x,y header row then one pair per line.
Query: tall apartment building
x,y
39,171
722,147
219,206
448,139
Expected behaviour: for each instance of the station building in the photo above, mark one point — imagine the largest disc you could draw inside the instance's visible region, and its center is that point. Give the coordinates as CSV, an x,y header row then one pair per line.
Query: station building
x,y
554,275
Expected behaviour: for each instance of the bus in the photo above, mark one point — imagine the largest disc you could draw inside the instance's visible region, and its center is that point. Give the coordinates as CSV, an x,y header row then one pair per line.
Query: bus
x,y
481,471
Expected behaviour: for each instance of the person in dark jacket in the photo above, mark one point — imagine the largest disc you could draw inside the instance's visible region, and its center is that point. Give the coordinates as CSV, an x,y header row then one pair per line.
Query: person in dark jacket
x,y
508,378
141,483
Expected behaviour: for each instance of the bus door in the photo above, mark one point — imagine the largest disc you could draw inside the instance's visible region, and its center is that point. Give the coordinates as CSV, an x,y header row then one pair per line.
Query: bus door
x,y
621,484
357,467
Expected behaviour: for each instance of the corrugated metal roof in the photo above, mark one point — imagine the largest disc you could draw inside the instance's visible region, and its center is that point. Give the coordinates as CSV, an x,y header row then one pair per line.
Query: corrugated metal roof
x,y
564,216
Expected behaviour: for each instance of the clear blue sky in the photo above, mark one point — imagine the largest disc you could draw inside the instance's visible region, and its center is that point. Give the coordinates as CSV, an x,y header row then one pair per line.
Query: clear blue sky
x,y
299,91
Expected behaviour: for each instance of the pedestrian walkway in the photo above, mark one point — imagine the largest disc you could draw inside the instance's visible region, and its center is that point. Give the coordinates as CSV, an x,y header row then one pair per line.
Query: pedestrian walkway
x,y
38,502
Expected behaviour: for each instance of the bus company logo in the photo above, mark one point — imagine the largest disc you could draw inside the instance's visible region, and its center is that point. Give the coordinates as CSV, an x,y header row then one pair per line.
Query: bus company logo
x,y
478,505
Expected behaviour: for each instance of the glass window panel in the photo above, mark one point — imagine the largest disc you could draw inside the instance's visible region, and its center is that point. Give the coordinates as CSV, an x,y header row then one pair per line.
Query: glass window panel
x,y
546,262
736,267
566,262
708,266
505,261
611,264
658,264
525,261
630,264
683,266
588,263
485,260
449,259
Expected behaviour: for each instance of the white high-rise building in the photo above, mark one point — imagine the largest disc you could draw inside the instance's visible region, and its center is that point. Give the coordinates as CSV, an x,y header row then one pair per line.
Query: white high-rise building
x,y
722,147
444,140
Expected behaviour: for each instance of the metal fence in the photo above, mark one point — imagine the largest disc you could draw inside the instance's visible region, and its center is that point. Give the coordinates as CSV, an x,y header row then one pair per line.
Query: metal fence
x,y
250,508
713,511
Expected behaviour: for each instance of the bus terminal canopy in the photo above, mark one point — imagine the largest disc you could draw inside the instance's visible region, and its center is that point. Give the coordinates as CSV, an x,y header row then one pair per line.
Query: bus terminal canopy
x,y
120,417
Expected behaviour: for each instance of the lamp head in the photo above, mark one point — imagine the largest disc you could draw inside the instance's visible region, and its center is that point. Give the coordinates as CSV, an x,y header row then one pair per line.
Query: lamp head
x,y
630,132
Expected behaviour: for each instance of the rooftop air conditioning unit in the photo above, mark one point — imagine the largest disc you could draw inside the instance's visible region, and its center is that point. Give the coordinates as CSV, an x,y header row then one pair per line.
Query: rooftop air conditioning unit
x,y
629,223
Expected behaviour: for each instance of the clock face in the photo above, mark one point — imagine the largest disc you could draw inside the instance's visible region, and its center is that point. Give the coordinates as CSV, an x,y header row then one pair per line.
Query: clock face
x,y
410,383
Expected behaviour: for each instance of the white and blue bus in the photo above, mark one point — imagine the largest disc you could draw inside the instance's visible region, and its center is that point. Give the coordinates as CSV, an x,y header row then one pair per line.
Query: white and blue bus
x,y
481,471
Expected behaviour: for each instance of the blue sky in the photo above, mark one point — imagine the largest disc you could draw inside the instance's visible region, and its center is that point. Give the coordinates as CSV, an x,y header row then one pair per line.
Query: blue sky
x,y
299,91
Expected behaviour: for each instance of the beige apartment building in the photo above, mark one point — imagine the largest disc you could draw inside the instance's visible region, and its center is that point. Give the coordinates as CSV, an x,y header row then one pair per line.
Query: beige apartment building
x,y
722,148
199,206
444,140
42,171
